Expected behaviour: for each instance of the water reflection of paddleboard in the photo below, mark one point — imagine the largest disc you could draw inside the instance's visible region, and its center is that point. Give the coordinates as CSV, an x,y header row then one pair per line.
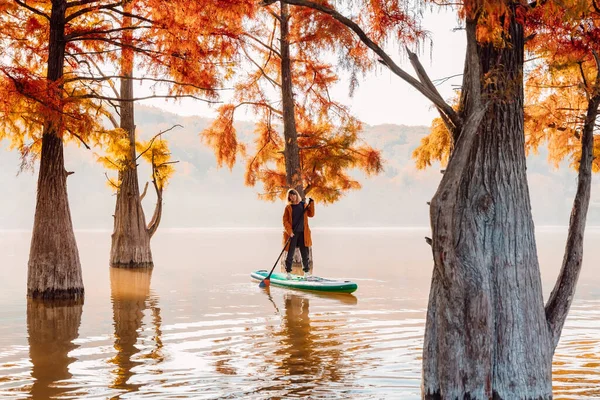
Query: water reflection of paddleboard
x,y
344,298
313,283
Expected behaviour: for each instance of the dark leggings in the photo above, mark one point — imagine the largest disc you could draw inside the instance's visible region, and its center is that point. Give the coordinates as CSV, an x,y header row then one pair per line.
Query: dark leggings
x,y
297,241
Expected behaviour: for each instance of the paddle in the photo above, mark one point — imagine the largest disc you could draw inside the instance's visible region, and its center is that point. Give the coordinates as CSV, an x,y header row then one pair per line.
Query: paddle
x,y
267,281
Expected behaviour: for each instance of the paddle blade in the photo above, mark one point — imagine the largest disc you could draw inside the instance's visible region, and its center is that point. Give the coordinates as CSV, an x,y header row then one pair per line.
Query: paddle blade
x,y
264,283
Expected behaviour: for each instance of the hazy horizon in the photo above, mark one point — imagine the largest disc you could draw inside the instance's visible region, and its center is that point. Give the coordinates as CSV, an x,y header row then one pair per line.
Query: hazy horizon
x,y
202,196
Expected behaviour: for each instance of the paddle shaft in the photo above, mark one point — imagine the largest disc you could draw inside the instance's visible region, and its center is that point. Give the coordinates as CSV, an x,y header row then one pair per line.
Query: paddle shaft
x,y
288,241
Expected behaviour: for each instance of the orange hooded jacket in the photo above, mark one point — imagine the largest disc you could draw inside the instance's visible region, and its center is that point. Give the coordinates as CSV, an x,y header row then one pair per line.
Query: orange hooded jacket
x,y
287,224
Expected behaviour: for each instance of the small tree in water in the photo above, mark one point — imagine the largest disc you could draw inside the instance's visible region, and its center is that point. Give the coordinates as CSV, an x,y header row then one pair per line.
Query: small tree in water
x,y
287,82
208,30
53,91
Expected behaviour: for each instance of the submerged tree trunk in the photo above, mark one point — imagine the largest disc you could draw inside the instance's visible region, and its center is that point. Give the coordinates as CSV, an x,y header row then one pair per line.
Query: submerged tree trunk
x,y
54,269
488,334
131,238
486,331
292,151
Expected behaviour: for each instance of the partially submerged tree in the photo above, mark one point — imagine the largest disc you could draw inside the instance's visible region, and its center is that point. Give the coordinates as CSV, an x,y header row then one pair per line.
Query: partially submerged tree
x,y
131,236
35,39
288,82
52,92
192,43
488,333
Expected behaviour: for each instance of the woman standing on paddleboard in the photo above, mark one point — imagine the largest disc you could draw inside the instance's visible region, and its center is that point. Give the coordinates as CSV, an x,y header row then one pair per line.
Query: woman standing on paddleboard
x,y
299,231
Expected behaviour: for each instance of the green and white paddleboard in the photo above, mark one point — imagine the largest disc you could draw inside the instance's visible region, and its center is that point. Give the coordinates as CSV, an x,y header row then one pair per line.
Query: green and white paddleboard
x,y
312,283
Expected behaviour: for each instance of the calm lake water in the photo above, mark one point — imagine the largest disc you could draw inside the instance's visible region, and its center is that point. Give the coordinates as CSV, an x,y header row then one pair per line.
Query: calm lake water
x,y
198,327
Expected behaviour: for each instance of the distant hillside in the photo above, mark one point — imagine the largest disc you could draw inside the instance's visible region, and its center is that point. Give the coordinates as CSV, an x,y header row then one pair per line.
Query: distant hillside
x,y
200,195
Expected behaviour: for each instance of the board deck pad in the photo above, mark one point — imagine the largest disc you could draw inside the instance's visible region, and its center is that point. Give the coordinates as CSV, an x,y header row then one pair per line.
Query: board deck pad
x,y
314,283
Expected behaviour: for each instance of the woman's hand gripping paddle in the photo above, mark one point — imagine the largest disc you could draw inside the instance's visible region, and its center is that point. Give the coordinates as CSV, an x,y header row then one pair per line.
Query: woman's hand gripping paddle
x,y
267,281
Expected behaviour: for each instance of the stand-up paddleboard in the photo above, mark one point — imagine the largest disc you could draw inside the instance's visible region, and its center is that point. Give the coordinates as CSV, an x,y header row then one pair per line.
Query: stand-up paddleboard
x,y
312,283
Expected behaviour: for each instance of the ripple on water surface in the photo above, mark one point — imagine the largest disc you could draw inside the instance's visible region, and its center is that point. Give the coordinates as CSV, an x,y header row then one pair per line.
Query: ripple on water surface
x,y
186,331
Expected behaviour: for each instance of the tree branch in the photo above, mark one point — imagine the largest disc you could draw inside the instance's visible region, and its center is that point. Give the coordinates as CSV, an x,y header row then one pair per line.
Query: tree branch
x,y
167,163
585,84
118,44
80,139
80,3
144,192
256,103
270,48
100,97
154,138
112,7
439,102
562,295
84,11
142,79
77,35
261,69
33,9
115,185
455,123
156,217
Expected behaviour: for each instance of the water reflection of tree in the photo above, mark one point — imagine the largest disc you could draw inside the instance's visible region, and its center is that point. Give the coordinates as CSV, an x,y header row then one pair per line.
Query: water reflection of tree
x,y
130,293
52,328
311,356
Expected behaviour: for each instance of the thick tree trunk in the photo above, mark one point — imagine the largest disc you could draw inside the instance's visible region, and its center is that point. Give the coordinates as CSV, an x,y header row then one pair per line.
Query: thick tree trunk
x,y
486,331
52,327
130,290
131,238
293,171
54,269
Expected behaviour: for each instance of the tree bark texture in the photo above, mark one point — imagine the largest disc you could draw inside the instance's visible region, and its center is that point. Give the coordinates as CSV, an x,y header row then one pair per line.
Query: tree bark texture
x,y
54,269
52,327
486,332
130,239
293,171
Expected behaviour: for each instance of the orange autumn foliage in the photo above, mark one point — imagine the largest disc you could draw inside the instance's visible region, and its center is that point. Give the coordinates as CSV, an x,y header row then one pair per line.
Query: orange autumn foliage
x,y
437,146
183,50
328,135
561,84
559,81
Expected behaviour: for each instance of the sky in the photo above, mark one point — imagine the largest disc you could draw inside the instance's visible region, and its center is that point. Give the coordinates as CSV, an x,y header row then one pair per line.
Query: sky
x,y
382,97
